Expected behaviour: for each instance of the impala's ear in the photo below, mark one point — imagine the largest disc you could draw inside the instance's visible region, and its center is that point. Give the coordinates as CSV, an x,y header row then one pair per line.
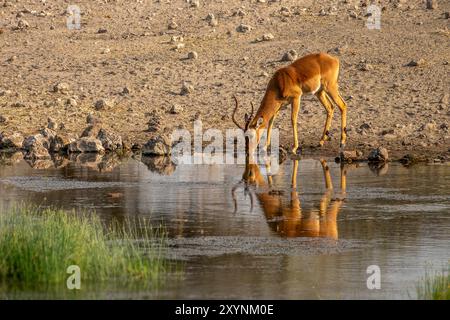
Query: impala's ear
x,y
284,82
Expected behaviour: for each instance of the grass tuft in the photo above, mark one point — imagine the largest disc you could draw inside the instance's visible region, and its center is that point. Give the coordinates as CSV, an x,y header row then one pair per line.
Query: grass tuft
x,y
434,286
38,245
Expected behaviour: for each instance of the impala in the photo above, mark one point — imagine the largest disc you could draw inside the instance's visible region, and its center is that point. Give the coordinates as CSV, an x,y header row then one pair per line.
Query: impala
x,y
316,74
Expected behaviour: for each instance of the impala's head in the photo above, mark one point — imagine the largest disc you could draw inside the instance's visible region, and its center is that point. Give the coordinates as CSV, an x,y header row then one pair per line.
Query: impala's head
x,y
252,128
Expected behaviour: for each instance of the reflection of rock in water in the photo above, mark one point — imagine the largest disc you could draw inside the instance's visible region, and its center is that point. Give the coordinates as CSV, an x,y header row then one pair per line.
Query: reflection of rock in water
x,y
40,164
95,161
161,165
379,168
9,159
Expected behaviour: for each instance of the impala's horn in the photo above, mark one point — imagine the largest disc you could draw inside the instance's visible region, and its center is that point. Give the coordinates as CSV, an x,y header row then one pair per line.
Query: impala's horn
x,y
247,118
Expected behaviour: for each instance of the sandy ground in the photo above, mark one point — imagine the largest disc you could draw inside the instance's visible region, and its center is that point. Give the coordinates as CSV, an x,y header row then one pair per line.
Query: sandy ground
x,y
404,108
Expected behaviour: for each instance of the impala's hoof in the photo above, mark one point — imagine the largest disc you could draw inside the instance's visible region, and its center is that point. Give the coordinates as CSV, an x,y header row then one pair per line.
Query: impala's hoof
x,y
342,147
321,143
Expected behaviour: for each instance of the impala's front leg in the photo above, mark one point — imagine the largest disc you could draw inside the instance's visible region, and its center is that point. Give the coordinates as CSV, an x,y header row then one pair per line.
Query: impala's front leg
x,y
269,131
294,115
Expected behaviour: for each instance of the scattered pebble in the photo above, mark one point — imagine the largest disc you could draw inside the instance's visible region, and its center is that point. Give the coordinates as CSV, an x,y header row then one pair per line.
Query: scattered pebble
x,y
193,55
243,28
186,89
291,55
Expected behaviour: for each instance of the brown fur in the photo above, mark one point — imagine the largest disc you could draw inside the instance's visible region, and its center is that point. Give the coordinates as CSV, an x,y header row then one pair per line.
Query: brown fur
x,y
313,72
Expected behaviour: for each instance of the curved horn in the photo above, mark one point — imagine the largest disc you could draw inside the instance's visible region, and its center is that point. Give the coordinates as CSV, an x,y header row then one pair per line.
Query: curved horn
x,y
234,113
248,119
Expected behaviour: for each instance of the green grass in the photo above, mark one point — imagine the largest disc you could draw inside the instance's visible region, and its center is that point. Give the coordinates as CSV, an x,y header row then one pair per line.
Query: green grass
x,y
37,245
434,286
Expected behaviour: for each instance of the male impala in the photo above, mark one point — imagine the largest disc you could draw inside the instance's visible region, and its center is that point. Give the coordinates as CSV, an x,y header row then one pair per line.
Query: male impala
x,y
316,74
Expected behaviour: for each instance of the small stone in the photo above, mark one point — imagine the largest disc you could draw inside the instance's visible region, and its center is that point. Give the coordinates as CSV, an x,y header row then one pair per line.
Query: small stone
x,y
378,155
445,99
243,28
192,55
91,119
102,104
416,63
194,3
365,67
106,50
3,119
432,4
125,91
176,109
71,102
52,124
212,21
172,25
61,87
186,89
22,24
291,55
102,30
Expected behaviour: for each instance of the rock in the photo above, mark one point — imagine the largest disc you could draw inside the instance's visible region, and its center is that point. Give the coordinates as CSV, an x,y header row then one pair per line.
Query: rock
x,y
5,93
416,63
91,119
157,146
243,28
432,4
52,124
265,37
110,141
60,143
47,133
86,145
102,104
71,102
291,55
154,123
378,155
125,91
176,109
186,89
172,25
350,156
102,30
91,131
192,55
61,87
430,127
365,67
29,141
445,99
22,25
11,141
194,3
410,159
37,151
3,119
212,21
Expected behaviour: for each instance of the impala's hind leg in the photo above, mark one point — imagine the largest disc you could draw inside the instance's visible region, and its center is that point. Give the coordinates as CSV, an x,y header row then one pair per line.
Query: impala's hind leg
x,y
323,98
333,92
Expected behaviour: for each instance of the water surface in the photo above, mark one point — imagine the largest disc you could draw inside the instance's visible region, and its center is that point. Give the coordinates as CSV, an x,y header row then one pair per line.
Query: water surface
x,y
310,231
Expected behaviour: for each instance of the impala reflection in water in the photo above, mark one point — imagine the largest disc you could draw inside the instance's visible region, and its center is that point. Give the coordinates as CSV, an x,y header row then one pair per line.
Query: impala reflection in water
x,y
284,213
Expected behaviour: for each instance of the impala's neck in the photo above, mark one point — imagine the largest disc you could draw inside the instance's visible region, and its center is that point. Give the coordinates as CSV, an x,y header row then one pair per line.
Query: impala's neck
x,y
268,108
